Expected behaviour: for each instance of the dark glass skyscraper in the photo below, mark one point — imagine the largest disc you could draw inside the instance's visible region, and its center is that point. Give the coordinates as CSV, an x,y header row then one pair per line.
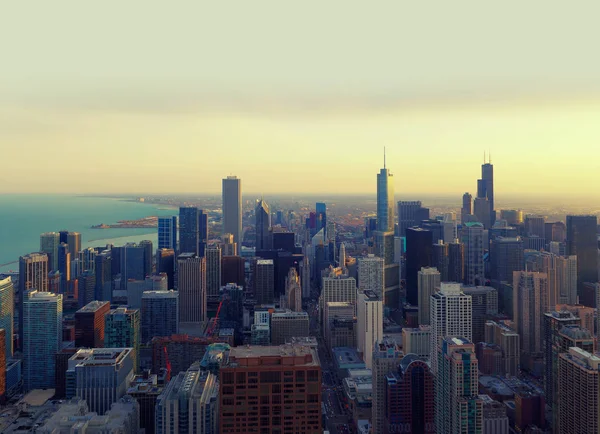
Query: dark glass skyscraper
x,y
582,241
232,209
410,213
419,245
485,190
321,215
167,232
189,229
467,207
262,224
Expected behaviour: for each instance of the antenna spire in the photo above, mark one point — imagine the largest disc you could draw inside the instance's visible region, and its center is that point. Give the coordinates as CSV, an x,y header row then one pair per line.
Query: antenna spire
x,y
384,157
483,157
490,156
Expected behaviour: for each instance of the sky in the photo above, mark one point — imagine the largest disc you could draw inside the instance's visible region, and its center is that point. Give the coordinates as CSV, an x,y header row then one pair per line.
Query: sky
x,y
299,97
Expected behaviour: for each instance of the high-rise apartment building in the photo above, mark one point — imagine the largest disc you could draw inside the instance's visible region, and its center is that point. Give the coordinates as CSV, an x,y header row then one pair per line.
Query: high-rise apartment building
x,y
213,272
385,200
191,283
42,337
49,242
371,274
369,324
264,281
7,309
167,232
190,401
429,280
255,384
472,237
262,216
530,301
122,330
579,391
458,407
387,355
89,324
232,209
582,241
160,314
411,397
101,376
451,315
287,325
419,246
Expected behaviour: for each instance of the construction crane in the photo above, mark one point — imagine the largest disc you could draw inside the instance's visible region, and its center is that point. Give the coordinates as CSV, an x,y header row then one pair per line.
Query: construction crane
x,y
211,327
167,363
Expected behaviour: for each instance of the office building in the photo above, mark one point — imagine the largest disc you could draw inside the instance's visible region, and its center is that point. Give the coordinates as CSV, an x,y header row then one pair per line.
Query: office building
x,y
456,261
232,270
262,224
484,301
190,401
385,200
339,324
136,261
213,272
451,315
485,190
64,264
101,376
337,288
429,280
582,241
160,314
495,419
191,237
467,207
472,237
499,334
506,257
33,274
371,274
458,407
321,218
122,330
293,291
275,373
440,259
387,356
419,246
417,341
86,288
535,226
89,324
287,325
411,397
369,324
145,390
530,301
7,309
74,243
167,232
410,214
179,350
165,263
578,388
136,288
191,283
42,337
264,281
49,242
228,247
103,274
232,209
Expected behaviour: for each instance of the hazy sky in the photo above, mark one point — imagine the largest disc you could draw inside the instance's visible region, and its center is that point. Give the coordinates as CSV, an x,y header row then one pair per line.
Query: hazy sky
x,y
299,96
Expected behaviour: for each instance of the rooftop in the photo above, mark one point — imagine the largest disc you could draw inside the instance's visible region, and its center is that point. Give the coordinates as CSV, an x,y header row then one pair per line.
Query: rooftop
x,y
346,355
370,295
93,306
289,314
160,294
272,355
98,356
264,262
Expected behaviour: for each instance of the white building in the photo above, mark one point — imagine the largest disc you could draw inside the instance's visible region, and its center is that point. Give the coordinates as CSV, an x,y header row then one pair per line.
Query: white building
x,y
369,324
337,288
451,315
371,274
417,341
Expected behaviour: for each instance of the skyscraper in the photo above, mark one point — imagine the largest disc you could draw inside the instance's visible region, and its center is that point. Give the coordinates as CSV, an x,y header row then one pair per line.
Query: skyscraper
x,y
191,234
337,288
387,355
451,315
456,261
471,236
582,241
89,324
122,330
165,263
484,302
485,189
167,232
467,207
458,408
74,242
287,325
410,213
277,373
321,218
191,284
213,272
160,314
506,257
262,224
33,274
578,385
429,280
293,291
49,242
369,324
103,267
530,301
440,259
419,246
42,338
7,306
228,247
264,281
232,209
190,400
371,274
385,199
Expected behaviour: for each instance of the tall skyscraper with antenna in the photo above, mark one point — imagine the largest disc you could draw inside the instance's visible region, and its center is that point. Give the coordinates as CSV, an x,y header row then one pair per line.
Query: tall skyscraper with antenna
x,y
385,199
484,203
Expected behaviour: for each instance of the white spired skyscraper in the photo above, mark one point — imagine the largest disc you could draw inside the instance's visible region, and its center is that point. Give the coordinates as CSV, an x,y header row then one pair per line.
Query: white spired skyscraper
x,y
385,199
232,209
451,315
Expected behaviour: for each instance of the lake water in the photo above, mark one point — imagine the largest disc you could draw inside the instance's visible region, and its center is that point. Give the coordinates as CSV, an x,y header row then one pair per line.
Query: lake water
x,y
24,217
